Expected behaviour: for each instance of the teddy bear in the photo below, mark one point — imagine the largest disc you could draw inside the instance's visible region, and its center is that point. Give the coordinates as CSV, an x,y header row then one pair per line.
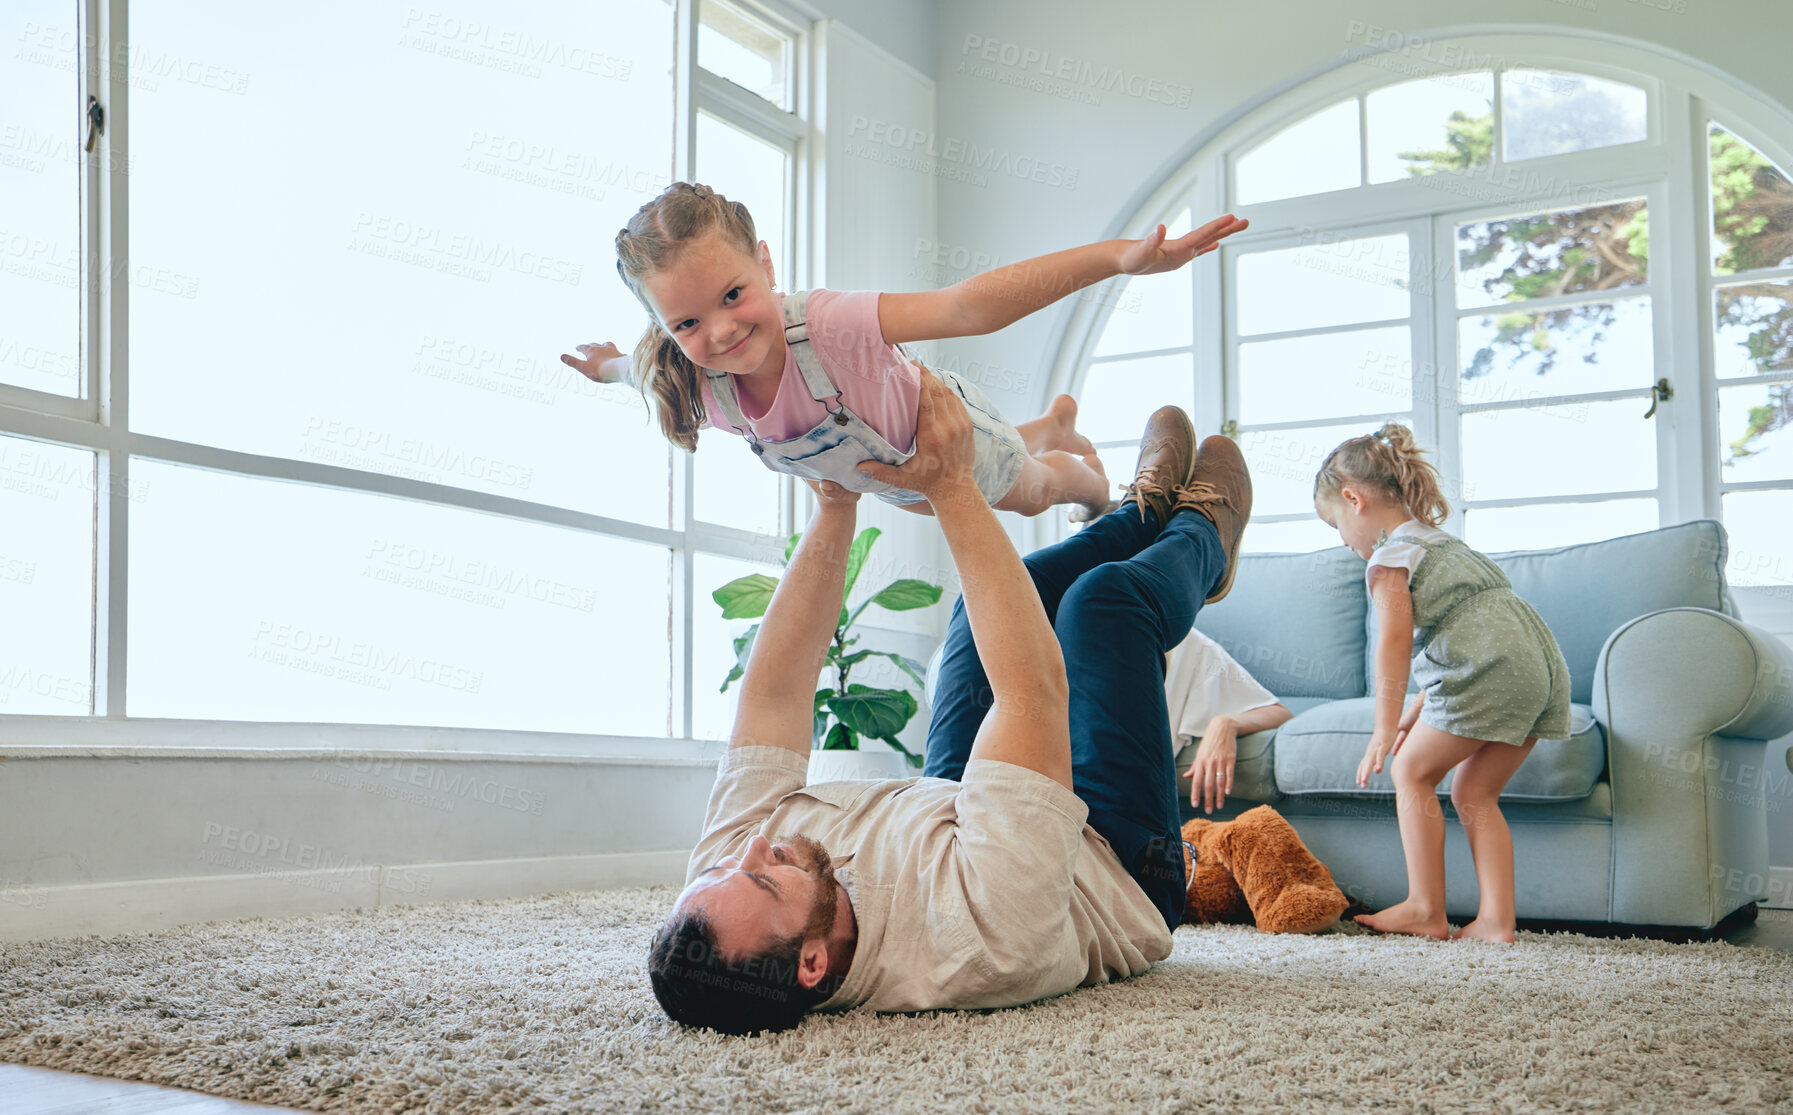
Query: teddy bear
x,y
1254,869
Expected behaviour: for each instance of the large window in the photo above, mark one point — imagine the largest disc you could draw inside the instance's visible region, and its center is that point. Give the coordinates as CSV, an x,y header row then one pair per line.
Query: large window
x,y
1582,305
284,434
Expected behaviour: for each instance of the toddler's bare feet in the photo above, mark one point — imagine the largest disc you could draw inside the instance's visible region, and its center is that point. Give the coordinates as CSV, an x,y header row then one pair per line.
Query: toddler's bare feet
x,y
1409,919
1486,931
1063,412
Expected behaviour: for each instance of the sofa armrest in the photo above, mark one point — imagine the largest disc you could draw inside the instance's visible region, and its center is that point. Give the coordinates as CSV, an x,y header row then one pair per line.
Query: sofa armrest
x,y
1688,697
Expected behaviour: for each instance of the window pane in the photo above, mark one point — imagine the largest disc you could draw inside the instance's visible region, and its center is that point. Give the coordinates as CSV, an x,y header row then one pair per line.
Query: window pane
x,y
1755,432
391,292
1540,255
1760,526
1366,371
1752,207
1754,329
1283,463
1118,396
1301,536
46,578
332,606
1601,346
1318,154
1330,282
1540,527
713,651
734,489
1547,113
1430,125
1153,311
1569,449
41,276
746,52
751,171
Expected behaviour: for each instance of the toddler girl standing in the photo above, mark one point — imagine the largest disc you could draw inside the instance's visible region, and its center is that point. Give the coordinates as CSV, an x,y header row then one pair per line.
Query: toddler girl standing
x,y
1492,678
819,381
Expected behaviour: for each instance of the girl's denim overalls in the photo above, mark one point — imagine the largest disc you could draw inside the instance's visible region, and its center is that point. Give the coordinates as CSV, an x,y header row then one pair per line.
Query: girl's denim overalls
x,y
842,440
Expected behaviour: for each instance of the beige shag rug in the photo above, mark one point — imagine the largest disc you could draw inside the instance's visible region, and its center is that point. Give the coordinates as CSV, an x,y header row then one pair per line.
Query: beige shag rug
x,y
543,1005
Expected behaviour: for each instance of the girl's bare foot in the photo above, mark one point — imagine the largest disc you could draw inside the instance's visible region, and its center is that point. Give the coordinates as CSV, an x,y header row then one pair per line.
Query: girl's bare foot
x,y
1089,512
1407,918
1059,428
1485,931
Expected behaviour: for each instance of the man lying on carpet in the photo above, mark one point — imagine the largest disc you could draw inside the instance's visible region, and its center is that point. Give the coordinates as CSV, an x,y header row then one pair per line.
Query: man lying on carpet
x,y
978,884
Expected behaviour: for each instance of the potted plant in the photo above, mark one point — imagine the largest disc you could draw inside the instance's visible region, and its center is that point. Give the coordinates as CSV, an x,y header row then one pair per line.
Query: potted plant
x,y
846,712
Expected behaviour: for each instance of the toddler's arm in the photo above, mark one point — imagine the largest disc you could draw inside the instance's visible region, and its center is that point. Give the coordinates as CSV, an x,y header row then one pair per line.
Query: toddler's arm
x,y
603,363
1394,659
995,299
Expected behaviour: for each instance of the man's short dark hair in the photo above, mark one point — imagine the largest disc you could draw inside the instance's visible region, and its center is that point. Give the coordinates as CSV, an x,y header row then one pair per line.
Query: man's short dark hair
x,y
697,986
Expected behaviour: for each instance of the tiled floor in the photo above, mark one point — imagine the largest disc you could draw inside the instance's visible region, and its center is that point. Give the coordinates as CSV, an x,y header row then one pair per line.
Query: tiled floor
x,y
34,1091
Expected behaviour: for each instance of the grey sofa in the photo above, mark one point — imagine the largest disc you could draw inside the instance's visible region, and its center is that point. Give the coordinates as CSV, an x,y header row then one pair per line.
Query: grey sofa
x,y
1651,814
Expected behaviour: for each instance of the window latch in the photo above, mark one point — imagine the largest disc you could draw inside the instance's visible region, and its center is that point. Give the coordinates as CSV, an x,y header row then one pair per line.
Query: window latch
x,y
1661,393
96,120
1230,428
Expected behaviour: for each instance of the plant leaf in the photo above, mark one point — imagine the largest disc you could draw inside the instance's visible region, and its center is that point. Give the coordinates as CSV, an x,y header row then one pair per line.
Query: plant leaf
x,y
820,713
840,738
856,559
878,713
913,759
743,651
745,597
910,666
901,596
790,547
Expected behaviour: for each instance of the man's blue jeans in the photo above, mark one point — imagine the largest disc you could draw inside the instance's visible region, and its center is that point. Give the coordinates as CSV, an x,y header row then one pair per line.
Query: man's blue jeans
x,y
1120,594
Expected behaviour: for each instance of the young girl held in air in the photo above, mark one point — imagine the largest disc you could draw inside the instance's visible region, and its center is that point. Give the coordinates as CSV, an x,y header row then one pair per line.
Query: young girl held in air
x,y
1492,678
818,381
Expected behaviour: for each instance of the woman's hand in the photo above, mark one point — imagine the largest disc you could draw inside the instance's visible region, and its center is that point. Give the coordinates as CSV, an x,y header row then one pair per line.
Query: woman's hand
x,y
1153,255
944,447
1382,745
591,361
1212,770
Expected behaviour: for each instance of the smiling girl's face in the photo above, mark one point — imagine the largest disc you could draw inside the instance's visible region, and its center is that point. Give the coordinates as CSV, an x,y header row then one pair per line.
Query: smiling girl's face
x,y
717,304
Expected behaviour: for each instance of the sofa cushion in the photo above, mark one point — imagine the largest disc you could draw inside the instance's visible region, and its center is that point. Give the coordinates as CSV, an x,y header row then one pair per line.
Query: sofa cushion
x,y
1584,593
1317,753
1295,621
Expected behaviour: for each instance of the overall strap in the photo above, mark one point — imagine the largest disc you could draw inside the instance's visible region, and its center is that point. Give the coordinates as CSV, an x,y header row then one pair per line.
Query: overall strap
x,y
723,387
796,335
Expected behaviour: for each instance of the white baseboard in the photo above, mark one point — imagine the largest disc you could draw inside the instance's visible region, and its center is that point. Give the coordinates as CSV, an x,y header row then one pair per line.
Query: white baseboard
x,y
29,913
1780,889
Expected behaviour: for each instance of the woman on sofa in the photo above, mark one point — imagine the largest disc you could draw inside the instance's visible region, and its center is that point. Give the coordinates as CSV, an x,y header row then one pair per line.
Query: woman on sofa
x,y
1212,702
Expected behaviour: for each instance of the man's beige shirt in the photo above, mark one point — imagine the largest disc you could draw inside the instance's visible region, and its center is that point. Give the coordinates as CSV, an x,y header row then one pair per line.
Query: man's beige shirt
x,y
987,892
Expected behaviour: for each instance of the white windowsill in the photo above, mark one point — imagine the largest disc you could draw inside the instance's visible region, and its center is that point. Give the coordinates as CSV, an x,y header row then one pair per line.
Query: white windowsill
x,y
41,737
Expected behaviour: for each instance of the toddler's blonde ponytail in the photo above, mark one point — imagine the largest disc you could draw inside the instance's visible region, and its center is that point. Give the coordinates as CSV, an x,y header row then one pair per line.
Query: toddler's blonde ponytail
x,y
1389,462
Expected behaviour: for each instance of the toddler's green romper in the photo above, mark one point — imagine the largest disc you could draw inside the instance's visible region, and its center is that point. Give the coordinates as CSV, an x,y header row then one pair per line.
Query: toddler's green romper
x,y
1490,667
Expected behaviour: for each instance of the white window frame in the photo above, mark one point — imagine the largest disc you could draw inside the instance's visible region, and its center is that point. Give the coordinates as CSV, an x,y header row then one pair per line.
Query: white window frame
x,y
1668,167
99,421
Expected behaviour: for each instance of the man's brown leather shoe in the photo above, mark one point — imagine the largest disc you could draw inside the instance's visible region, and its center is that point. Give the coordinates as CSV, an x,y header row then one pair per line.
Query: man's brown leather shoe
x,y
1166,456
1219,487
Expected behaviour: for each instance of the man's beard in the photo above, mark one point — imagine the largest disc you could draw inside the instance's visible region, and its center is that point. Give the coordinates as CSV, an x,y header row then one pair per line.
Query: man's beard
x,y
812,857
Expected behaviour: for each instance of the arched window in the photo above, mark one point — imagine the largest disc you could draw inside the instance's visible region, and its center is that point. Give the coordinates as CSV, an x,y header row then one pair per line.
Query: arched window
x,y
1518,253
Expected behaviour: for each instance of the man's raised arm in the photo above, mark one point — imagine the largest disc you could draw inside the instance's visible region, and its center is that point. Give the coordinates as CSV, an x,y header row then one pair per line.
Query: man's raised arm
x,y
778,691
1028,724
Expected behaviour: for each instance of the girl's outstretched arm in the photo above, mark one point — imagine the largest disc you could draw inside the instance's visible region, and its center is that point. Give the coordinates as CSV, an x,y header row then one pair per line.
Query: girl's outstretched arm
x,y
995,299
1394,660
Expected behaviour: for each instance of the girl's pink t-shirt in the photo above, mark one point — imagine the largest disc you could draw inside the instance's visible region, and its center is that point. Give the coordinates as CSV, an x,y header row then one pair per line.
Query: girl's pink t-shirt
x,y
875,381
